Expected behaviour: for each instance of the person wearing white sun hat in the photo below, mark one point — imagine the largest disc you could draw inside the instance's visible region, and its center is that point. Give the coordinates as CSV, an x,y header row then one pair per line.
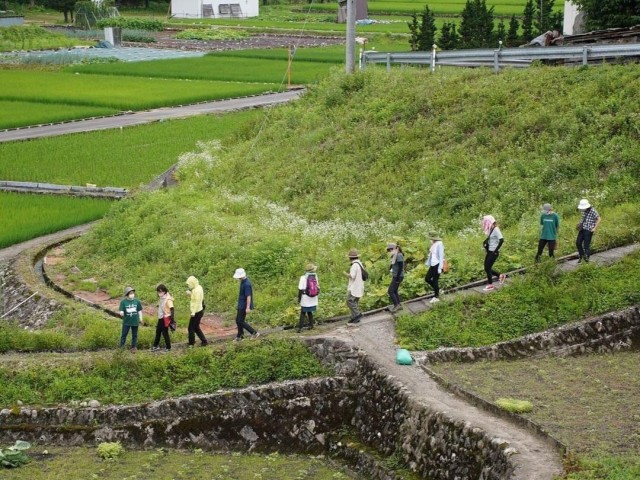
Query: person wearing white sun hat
x,y
586,228
245,304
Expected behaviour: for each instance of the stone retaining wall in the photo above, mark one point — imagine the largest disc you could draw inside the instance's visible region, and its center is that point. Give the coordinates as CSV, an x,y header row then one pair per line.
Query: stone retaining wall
x,y
606,333
292,416
429,442
20,303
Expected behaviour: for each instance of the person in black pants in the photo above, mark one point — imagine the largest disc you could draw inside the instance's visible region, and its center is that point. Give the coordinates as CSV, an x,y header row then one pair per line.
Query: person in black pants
x,y
492,245
245,305
196,307
435,263
586,228
166,316
397,275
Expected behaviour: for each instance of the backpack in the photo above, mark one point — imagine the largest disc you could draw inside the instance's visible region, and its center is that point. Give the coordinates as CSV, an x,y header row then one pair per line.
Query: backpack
x,y
312,290
365,274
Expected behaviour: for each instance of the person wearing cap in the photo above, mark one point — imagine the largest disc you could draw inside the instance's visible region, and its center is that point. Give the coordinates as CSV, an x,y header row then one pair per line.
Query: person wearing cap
x,y
196,310
434,263
492,245
549,233
131,312
586,228
355,287
306,299
397,274
245,304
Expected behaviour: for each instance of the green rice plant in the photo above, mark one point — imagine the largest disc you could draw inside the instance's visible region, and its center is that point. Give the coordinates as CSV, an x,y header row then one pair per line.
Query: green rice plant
x,y
20,113
514,406
214,68
120,377
109,91
105,157
26,216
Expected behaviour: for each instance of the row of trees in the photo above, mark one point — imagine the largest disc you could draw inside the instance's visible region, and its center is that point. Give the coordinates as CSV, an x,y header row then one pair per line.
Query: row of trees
x,y
477,30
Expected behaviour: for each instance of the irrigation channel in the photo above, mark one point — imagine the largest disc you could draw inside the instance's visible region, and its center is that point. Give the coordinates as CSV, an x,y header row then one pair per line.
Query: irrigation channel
x,y
536,456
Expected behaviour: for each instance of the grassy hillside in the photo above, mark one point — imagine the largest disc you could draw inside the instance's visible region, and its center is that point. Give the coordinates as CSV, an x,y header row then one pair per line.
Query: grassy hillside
x,y
364,159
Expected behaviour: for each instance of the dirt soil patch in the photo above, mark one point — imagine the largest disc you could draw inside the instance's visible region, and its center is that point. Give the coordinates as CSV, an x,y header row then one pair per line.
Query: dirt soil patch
x,y
590,403
264,40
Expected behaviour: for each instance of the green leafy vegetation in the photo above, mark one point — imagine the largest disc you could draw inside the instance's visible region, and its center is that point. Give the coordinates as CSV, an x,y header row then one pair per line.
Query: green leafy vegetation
x,y
110,450
26,216
121,378
105,157
589,402
14,456
211,34
32,37
145,24
514,405
58,463
364,159
540,300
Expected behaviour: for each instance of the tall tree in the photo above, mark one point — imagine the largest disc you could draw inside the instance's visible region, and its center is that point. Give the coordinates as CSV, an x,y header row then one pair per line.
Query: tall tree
x,y
544,19
427,36
414,28
527,21
448,36
610,13
476,26
512,34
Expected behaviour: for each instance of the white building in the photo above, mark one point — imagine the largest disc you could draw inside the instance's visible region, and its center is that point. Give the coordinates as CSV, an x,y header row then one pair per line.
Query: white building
x,y
214,8
573,19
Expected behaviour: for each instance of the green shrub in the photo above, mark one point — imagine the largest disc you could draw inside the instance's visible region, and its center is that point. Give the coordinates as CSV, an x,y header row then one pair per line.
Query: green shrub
x,y
110,450
514,406
14,456
139,36
146,24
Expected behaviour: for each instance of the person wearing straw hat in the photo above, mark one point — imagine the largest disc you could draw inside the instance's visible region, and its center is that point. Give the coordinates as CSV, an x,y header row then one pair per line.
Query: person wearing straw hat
x,y
586,228
308,291
549,232
435,263
492,245
245,305
355,287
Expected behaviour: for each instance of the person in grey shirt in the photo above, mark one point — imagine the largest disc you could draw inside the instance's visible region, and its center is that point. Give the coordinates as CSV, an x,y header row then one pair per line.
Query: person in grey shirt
x,y
492,245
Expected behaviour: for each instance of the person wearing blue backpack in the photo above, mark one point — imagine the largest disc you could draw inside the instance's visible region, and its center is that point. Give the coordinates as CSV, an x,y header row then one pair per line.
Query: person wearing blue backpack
x,y
308,291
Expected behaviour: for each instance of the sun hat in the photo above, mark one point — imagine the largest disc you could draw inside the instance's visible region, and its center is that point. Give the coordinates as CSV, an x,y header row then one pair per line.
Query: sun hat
x,y
487,223
239,273
310,267
391,246
128,290
584,204
546,208
353,253
435,236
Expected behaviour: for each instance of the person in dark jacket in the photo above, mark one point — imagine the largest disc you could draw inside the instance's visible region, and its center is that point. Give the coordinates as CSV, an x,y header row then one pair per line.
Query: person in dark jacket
x,y
397,275
245,305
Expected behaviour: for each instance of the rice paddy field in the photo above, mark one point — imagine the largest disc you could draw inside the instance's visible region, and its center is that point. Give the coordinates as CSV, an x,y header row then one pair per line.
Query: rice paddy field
x,y
120,158
28,216
19,113
114,92
247,69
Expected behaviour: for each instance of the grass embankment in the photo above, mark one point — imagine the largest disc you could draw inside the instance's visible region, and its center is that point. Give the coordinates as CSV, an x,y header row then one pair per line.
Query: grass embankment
x,y
83,463
538,301
32,37
122,378
26,216
364,159
120,158
587,402
54,89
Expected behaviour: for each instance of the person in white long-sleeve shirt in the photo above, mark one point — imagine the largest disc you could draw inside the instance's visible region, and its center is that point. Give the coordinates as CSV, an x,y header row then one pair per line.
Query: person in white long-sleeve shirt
x,y
434,263
355,287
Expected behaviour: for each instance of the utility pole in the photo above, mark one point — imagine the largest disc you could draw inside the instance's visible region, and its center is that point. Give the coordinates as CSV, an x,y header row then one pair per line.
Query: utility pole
x,y
351,36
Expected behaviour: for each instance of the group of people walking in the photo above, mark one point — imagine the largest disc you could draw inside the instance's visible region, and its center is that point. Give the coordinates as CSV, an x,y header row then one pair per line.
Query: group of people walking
x,y
309,286
131,312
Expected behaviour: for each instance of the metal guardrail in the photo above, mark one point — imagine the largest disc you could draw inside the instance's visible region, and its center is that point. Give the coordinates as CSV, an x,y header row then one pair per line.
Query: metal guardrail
x,y
501,57
89,191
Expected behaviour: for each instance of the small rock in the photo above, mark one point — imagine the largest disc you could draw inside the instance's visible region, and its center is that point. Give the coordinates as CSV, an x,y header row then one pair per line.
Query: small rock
x,y
19,403
83,404
94,403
